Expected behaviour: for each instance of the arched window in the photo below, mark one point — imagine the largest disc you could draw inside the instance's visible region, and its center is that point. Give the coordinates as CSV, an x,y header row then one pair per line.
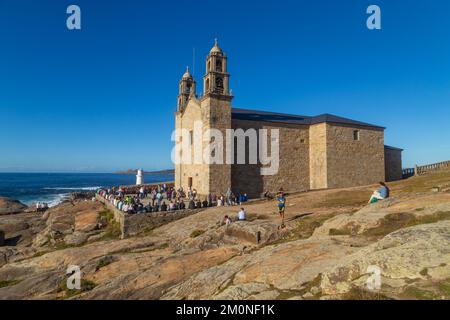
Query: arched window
x,y
219,65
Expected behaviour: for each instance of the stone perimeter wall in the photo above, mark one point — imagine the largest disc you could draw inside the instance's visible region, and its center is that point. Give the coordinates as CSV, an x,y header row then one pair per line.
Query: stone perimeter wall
x,y
133,224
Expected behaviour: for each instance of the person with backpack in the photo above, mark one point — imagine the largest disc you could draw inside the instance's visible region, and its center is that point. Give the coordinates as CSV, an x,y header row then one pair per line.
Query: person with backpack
x,y
281,203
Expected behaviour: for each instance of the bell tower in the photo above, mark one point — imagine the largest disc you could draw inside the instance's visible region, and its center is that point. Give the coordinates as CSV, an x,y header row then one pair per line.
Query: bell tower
x,y
187,88
216,110
216,79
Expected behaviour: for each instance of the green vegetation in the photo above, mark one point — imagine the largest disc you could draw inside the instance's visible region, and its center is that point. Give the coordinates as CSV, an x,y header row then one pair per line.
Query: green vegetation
x,y
103,262
396,221
424,272
391,223
305,227
420,294
86,286
444,288
8,283
107,214
112,230
345,198
421,183
196,233
347,230
357,293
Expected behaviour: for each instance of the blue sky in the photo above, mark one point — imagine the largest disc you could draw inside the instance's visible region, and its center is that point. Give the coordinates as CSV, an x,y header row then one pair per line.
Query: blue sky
x,y
103,98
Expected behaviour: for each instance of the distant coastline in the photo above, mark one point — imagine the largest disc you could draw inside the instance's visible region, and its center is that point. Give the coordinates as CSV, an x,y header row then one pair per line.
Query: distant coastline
x,y
134,171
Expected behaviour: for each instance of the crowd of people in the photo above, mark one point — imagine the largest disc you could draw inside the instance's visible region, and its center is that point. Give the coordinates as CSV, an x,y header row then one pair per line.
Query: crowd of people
x,y
41,206
165,198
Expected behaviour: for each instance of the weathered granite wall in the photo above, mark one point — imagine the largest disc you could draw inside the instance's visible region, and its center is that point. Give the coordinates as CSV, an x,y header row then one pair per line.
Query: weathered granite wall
x,y
318,156
293,169
393,163
133,224
353,162
211,112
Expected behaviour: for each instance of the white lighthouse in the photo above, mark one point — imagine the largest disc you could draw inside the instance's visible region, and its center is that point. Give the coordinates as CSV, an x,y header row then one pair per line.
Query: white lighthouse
x,y
139,177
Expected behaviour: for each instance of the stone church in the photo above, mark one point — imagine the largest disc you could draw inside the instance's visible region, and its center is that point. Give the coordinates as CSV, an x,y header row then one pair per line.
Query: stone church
x,y
315,152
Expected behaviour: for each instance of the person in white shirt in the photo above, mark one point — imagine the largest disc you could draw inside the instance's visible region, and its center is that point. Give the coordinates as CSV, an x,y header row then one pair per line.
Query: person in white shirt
x,y
241,216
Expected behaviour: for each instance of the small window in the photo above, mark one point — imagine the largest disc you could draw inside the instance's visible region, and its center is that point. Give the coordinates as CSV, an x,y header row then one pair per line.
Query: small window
x,y
191,137
356,135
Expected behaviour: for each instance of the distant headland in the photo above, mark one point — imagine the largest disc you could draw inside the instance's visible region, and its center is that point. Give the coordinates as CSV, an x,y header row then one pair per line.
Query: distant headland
x,y
134,171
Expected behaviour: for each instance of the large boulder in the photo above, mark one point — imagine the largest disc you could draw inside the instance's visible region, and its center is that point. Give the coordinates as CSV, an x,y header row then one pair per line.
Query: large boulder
x,y
416,253
11,206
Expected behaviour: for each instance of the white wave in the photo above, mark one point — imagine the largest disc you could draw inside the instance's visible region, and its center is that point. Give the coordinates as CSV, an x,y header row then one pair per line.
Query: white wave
x,y
52,200
80,188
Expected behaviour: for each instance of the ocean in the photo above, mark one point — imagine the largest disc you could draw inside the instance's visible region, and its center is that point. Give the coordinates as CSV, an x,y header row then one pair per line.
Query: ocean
x,y
53,188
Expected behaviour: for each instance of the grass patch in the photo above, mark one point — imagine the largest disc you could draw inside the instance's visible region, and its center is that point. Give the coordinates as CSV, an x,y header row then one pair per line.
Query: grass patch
x,y
40,253
305,227
361,294
103,262
348,230
112,230
345,198
8,283
424,272
107,214
444,288
420,294
421,183
396,221
86,286
196,233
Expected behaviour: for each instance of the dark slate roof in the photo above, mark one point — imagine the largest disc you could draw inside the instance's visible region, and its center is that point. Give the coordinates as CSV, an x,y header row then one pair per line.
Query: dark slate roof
x,y
255,115
393,148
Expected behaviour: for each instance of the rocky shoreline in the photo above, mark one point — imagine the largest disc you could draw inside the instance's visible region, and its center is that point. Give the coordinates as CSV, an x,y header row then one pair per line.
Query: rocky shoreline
x,y
331,242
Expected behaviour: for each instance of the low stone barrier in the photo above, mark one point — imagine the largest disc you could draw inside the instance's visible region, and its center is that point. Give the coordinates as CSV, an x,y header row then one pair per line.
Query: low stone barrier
x,y
421,170
133,224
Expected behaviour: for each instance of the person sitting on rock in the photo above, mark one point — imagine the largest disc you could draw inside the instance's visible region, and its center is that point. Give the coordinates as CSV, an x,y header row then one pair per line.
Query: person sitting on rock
x,y
226,220
380,194
242,215
198,204
268,195
191,205
182,205
163,206
171,206
205,203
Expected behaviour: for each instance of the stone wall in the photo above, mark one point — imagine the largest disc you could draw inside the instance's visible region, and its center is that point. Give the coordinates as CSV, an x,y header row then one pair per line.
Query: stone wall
x,y
354,162
393,163
213,113
318,156
134,224
198,172
218,117
293,170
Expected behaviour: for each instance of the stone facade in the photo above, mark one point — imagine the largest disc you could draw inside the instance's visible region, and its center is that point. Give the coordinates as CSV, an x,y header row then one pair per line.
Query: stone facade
x,y
354,162
393,163
319,152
